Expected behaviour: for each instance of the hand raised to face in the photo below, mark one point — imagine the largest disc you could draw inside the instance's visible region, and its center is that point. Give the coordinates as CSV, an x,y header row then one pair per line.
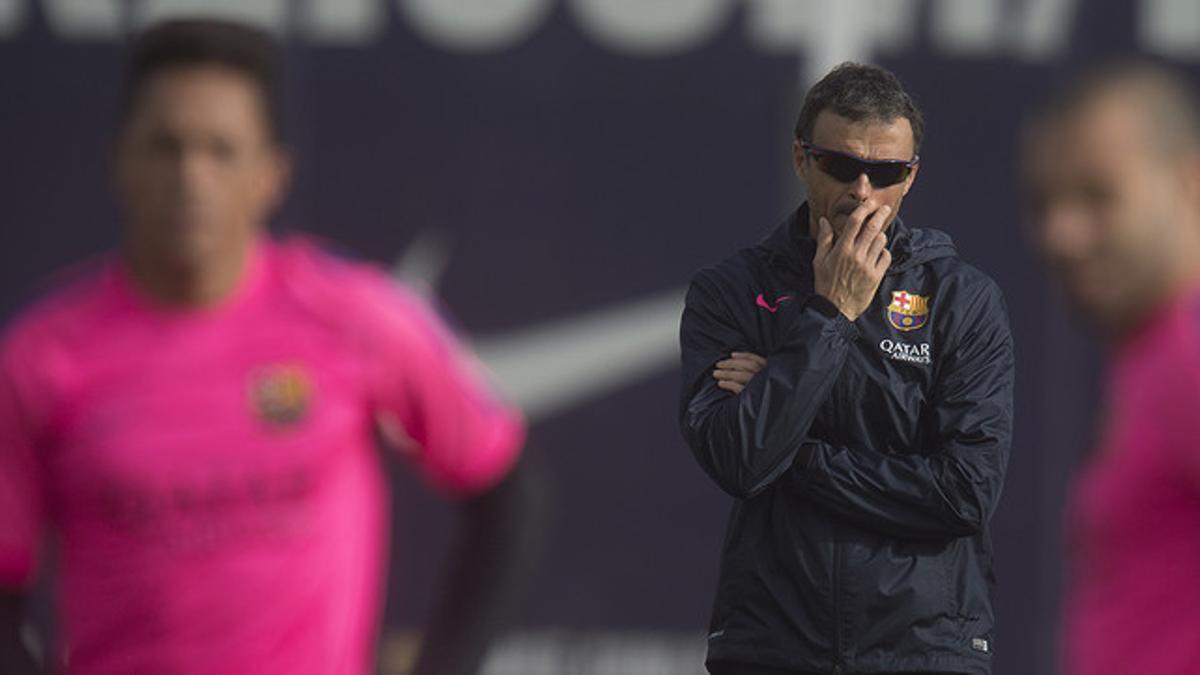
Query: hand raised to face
x,y
848,269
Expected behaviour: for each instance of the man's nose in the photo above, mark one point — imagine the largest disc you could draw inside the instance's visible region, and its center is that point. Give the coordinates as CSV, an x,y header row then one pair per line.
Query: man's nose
x,y
193,171
861,188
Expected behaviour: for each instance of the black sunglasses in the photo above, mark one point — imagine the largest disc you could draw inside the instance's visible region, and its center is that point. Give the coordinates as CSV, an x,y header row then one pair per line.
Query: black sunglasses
x,y
847,168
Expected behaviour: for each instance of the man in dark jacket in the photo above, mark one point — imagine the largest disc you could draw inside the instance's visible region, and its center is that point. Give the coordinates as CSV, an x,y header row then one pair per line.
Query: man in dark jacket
x,y
849,382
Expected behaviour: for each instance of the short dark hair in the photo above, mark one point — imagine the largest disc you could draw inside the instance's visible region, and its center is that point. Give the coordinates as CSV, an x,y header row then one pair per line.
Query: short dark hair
x,y
201,42
857,92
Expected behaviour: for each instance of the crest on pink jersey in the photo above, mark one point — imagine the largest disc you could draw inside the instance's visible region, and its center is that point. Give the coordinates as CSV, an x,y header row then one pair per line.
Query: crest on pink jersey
x,y
281,395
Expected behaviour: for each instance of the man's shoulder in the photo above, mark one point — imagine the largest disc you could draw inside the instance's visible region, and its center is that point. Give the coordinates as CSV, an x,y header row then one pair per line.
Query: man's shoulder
x,y
962,297
936,252
303,258
324,278
973,285
352,295
65,303
729,270
748,267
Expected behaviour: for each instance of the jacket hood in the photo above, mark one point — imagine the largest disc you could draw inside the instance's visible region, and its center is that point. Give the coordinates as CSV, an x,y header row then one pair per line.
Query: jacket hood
x,y
792,246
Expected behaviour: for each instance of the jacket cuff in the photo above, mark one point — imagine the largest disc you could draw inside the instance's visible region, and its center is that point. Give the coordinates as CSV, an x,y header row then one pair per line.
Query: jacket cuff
x,y
840,324
823,305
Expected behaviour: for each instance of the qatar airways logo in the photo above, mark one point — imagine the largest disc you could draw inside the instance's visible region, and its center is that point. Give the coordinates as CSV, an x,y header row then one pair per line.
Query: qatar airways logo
x,y
904,351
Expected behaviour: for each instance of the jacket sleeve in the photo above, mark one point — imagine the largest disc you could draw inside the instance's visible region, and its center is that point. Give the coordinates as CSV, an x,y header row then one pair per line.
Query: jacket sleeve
x,y
950,490
748,441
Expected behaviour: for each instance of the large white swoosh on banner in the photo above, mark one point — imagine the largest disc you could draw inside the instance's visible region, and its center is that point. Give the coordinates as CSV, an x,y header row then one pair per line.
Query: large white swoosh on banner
x,y
424,260
550,367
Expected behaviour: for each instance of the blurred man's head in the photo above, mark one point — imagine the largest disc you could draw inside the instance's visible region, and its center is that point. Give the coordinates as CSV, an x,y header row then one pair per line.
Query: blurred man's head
x,y
856,113
199,156
1112,175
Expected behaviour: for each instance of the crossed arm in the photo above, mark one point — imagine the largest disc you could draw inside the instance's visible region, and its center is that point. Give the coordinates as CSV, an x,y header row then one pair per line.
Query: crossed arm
x,y
748,418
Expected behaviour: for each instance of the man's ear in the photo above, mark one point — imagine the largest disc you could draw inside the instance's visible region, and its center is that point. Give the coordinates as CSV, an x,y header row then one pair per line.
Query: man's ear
x,y
912,178
1189,176
798,162
278,176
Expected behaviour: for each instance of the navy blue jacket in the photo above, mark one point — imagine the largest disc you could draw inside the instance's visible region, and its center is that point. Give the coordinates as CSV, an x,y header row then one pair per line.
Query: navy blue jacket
x,y
865,460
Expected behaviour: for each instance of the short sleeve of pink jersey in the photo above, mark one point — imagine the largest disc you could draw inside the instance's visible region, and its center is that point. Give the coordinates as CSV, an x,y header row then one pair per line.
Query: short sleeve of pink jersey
x,y
433,401
22,510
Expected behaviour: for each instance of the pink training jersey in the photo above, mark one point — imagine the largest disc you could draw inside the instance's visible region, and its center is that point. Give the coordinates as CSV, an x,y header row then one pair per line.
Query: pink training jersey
x,y
210,477
1134,587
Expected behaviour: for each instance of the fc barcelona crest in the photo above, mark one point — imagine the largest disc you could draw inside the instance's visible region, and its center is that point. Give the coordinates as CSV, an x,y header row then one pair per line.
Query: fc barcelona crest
x,y
908,311
281,395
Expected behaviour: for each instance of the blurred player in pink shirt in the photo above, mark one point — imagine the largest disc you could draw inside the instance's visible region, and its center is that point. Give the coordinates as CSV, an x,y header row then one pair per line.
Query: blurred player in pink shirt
x,y
1113,177
192,421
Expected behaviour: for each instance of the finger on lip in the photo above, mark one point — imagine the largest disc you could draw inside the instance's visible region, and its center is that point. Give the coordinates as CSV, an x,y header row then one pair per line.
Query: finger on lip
x,y
856,216
867,206
881,216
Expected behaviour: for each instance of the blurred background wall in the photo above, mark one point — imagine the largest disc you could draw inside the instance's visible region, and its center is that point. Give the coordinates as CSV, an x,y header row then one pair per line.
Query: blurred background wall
x,y
556,170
